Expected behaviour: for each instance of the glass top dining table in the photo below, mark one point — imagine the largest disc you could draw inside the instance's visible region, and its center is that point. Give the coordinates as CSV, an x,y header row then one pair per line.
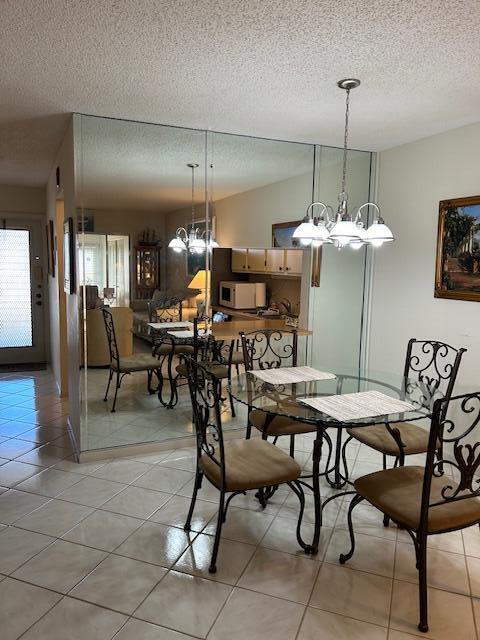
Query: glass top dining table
x,y
284,399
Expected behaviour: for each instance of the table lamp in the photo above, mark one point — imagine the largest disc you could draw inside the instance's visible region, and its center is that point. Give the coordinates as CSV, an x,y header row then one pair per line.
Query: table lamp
x,y
200,281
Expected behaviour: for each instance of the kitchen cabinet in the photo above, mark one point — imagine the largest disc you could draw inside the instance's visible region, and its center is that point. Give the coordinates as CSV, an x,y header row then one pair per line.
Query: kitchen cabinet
x,y
256,260
239,259
286,262
293,262
275,261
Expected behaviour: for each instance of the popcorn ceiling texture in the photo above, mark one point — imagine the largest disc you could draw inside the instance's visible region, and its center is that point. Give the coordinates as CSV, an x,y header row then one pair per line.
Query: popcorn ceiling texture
x,y
259,67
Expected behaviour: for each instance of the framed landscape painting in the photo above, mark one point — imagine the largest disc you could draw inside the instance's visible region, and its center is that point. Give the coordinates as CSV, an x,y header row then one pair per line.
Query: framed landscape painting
x,y
458,249
282,233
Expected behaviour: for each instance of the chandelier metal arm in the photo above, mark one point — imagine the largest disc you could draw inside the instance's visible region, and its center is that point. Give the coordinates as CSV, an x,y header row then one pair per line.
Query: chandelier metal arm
x,y
323,213
181,231
367,204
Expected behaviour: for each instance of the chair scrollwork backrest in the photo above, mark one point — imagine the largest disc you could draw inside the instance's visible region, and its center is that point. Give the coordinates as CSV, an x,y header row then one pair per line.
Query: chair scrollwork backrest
x,y
431,367
165,310
205,347
269,348
205,392
111,337
457,461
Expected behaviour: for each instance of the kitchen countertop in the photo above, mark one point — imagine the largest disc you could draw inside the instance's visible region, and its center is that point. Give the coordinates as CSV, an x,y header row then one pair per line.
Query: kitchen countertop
x,y
230,330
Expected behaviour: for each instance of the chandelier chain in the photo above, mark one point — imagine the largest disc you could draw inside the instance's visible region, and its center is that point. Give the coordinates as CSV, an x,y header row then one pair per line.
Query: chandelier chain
x,y
345,141
193,198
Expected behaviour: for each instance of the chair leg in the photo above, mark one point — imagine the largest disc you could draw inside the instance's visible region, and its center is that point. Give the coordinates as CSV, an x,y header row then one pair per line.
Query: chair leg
x,y
386,519
422,584
346,556
117,387
110,376
317,498
292,446
218,532
196,487
232,405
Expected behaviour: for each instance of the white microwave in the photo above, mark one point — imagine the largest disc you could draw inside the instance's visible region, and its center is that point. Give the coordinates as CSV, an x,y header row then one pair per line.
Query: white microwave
x,y
238,295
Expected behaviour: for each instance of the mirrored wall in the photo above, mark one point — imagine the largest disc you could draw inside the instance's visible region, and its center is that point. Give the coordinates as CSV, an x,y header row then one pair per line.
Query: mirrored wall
x,y
139,186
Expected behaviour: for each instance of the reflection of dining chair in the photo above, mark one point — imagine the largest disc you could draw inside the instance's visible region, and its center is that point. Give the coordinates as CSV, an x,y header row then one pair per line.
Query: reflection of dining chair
x,y
431,367
208,352
166,309
236,466
121,366
271,349
443,496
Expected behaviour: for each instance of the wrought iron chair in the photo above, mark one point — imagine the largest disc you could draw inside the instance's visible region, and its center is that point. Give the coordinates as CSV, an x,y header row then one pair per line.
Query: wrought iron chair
x,y
432,367
236,466
122,366
209,352
270,349
441,497
167,309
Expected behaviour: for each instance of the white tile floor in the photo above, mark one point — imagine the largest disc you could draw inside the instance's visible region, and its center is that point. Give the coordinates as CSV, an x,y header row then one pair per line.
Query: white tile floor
x,y
139,416
97,551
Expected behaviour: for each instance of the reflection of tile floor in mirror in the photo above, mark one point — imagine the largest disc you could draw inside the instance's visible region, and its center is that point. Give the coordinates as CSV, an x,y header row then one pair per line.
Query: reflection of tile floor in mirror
x,y
97,551
139,416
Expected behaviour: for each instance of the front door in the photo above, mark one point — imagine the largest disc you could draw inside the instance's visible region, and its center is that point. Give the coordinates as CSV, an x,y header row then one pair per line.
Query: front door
x,y
21,292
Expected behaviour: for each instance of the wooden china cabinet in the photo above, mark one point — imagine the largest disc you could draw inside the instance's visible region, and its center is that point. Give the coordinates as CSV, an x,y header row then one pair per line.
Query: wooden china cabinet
x,y
147,270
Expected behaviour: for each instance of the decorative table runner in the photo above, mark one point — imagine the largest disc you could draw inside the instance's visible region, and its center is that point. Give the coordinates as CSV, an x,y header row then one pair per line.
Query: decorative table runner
x,y
351,406
188,334
288,375
171,325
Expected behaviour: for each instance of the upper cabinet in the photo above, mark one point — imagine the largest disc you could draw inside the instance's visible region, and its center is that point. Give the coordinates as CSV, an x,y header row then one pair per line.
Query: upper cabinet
x,y
256,262
276,261
239,259
293,262
286,262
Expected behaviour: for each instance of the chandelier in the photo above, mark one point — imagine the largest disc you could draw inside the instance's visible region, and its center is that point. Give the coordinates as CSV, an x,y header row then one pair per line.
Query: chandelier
x,y
343,229
190,239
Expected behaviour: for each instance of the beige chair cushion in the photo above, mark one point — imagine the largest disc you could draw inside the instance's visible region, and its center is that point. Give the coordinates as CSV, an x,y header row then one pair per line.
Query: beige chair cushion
x,y
251,464
137,362
398,493
377,436
280,425
165,349
220,371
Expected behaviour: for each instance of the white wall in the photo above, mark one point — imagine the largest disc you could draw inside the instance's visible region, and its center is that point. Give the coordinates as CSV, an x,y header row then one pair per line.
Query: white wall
x,y
245,219
413,179
16,199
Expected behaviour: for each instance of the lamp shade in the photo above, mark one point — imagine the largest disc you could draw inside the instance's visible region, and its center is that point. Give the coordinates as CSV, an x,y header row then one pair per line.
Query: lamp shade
x,y
345,231
201,280
305,232
177,244
378,233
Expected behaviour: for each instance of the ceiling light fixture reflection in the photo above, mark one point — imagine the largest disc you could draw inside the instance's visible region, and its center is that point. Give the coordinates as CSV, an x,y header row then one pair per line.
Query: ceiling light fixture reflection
x,y
192,240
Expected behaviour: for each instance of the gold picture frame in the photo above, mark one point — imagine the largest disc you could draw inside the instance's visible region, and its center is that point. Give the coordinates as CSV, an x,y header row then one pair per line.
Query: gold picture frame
x,y
457,273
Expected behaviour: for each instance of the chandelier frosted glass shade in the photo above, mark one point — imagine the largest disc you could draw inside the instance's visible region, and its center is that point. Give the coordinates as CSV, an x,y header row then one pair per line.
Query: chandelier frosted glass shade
x,y
378,233
345,232
177,244
305,232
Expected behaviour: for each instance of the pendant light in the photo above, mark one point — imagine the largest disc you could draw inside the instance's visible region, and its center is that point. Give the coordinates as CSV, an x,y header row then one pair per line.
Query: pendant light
x,y
345,230
190,240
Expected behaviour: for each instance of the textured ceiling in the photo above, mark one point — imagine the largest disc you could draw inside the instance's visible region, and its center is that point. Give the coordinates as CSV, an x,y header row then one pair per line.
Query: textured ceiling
x,y
137,166
260,67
